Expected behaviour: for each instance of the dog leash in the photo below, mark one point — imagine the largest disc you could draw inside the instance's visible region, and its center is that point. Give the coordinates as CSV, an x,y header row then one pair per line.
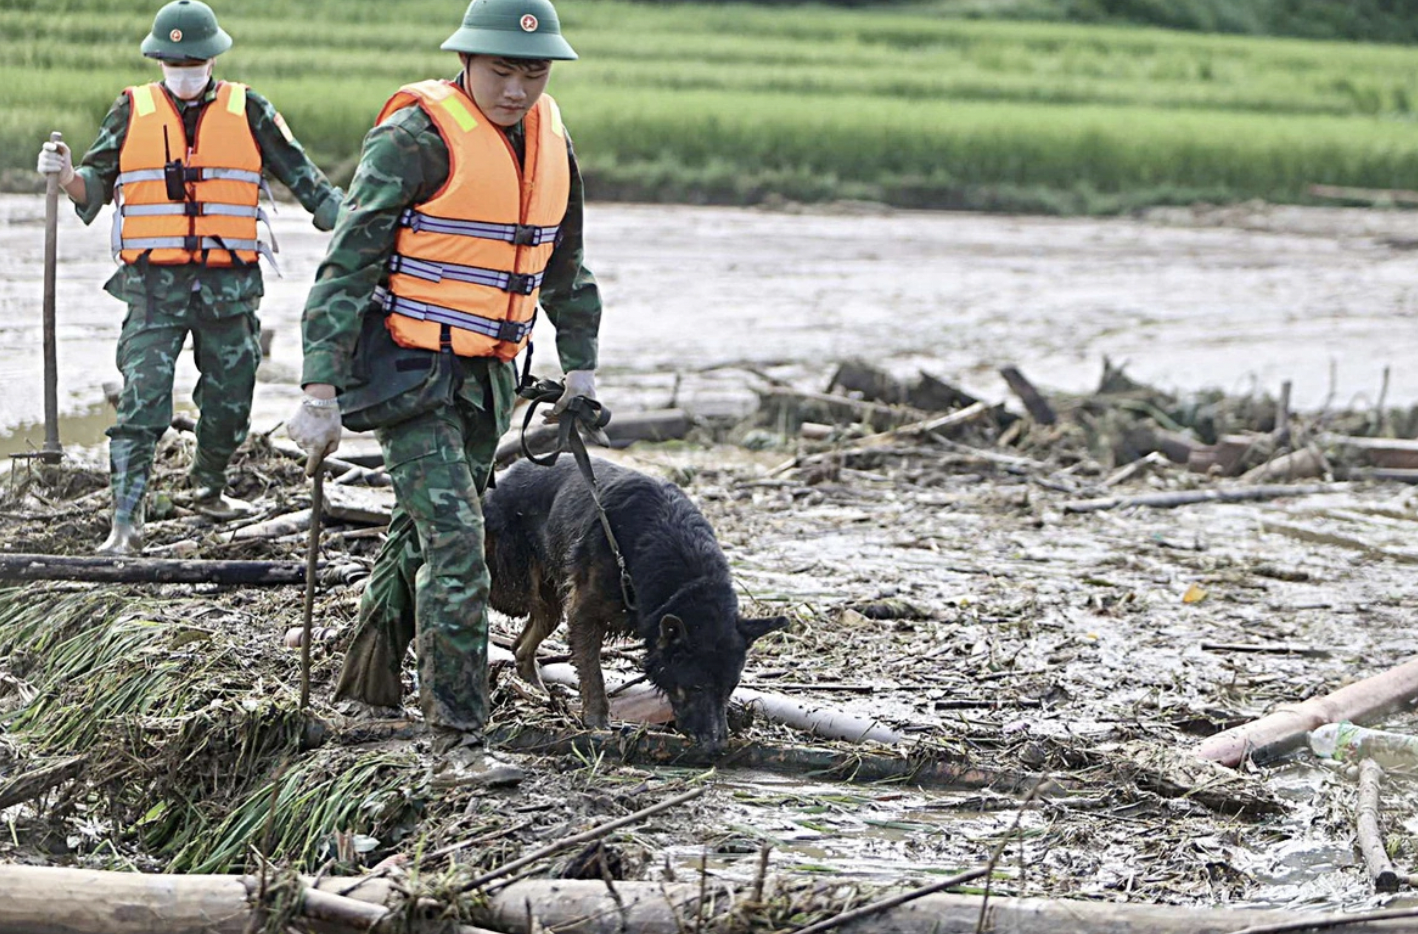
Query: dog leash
x,y
593,416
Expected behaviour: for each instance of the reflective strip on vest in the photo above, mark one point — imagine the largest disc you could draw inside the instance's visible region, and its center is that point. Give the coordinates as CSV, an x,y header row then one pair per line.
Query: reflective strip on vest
x,y
431,271
185,243
517,234
190,175
513,332
143,100
180,207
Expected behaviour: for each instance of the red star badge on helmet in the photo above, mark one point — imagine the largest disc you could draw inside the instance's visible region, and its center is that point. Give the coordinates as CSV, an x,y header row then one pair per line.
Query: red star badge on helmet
x,y
529,23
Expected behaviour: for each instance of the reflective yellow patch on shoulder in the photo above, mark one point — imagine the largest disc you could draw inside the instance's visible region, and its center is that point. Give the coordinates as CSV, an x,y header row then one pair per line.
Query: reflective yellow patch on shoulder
x,y
556,125
460,113
285,130
237,103
143,100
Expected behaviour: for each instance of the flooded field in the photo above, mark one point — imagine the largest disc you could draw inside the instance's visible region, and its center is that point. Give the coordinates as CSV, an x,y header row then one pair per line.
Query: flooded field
x,y
1229,298
1030,640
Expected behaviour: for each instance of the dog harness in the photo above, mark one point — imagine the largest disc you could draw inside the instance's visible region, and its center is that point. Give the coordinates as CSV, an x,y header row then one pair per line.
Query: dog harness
x,y
218,177
468,263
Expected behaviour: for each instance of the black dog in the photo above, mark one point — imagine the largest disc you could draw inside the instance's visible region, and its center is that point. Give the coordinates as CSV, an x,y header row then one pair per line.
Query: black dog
x,y
549,557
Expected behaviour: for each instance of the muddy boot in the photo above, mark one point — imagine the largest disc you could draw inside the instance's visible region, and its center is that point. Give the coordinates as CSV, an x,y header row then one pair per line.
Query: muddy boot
x,y
210,500
461,761
124,538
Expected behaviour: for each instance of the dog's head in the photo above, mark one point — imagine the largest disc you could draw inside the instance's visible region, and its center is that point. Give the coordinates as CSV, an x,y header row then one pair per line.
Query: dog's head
x,y
697,664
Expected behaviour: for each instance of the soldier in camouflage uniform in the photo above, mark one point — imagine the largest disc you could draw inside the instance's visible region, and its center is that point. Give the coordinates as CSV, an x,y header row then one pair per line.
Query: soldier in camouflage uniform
x,y
430,583
217,305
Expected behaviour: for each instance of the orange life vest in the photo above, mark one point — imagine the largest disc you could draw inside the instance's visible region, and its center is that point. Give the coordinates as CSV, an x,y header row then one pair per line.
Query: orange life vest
x,y
468,262
215,222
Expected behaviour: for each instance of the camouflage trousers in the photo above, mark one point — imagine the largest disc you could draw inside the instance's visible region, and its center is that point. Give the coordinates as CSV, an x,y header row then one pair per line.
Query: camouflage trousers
x,y
430,581
226,346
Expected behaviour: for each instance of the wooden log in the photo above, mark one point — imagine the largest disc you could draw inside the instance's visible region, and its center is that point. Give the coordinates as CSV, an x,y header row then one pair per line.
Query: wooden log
x,y
119,570
590,907
1192,497
1307,463
1371,837
644,703
360,505
647,748
51,900
623,429
820,720
1391,453
36,782
1035,404
1377,474
1275,734
291,523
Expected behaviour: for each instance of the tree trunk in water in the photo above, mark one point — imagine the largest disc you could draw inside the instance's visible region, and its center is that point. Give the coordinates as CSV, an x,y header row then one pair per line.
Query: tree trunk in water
x,y
1275,734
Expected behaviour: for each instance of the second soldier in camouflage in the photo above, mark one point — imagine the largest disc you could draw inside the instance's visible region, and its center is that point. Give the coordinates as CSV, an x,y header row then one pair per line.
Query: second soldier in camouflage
x,y
185,125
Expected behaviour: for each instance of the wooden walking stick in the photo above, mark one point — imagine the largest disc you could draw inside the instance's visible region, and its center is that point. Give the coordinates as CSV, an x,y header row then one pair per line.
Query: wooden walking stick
x,y
51,453
315,467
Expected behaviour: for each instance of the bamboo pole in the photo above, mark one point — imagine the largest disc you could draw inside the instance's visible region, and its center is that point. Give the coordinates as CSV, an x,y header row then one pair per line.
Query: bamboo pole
x,y
1273,735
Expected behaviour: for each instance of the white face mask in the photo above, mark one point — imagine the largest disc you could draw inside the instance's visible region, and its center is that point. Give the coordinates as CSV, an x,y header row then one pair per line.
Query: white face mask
x,y
188,81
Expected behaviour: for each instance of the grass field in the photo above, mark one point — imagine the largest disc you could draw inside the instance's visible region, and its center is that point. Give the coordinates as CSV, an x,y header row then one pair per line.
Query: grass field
x,y
733,103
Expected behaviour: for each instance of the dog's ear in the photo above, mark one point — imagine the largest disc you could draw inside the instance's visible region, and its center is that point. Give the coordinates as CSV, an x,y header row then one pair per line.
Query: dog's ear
x,y
672,631
754,629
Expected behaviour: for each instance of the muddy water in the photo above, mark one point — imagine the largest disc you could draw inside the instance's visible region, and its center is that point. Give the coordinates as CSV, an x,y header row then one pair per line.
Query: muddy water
x,y
1189,298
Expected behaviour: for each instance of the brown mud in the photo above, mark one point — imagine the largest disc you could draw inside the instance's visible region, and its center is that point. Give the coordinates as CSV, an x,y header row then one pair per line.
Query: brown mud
x,y
951,596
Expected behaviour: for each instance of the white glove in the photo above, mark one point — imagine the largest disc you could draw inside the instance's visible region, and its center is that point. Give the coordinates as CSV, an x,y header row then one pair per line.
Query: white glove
x,y
55,158
316,427
578,383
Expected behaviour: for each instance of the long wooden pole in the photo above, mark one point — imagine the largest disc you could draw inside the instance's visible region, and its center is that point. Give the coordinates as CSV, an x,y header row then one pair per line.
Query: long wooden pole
x,y
312,560
51,453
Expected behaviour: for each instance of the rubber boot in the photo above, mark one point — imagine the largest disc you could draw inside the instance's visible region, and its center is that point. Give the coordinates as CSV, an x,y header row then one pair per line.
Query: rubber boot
x,y
460,761
124,538
209,500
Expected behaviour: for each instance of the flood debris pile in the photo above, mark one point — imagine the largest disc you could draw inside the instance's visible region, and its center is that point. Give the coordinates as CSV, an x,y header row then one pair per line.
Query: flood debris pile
x,y
1030,673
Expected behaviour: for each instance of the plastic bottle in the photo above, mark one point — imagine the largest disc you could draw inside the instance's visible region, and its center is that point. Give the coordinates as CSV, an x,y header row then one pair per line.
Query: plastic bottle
x,y
1348,742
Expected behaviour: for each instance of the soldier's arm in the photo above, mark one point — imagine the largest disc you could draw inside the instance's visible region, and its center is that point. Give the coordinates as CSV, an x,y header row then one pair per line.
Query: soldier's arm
x,y
403,162
286,159
99,167
569,295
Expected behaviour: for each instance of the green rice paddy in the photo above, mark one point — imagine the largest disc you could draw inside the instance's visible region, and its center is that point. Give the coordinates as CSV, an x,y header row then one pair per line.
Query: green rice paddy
x,y
733,104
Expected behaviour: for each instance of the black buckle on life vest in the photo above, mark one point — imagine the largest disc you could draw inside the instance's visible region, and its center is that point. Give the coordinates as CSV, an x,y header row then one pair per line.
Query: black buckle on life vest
x,y
519,283
191,243
191,174
510,331
194,209
525,235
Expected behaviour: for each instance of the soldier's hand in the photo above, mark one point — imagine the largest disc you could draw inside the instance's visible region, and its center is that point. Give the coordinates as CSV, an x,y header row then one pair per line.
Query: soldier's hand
x,y
315,426
578,383
56,159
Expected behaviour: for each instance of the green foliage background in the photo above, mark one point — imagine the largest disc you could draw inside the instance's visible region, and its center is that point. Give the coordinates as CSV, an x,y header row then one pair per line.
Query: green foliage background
x,y
929,106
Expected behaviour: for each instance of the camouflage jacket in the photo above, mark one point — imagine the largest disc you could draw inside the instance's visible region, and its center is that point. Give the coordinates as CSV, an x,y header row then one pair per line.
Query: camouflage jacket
x,y
229,290
404,162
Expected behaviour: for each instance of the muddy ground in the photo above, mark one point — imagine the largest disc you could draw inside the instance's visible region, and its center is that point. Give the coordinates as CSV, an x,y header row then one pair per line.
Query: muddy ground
x,y
1036,640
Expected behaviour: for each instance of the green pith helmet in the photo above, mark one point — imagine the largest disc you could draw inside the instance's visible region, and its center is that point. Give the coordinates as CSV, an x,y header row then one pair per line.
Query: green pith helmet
x,y
186,29
512,29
